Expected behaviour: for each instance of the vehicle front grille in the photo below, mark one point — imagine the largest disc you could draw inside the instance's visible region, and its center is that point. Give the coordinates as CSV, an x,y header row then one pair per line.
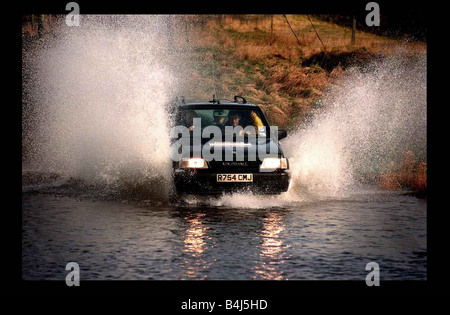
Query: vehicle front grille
x,y
234,166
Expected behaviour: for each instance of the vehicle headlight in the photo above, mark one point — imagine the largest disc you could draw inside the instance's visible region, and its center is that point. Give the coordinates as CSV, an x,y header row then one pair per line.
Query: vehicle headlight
x,y
274,163
193,163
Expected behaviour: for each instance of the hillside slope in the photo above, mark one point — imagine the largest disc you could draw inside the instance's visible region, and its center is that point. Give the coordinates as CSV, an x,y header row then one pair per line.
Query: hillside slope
x,y
260,58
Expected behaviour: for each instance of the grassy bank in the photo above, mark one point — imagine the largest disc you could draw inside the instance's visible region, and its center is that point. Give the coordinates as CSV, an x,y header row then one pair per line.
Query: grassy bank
x,y
409,173
260,58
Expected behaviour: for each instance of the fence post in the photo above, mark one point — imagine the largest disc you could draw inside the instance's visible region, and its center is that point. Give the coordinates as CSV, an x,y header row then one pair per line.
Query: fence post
x,y
39,25
353,31
271,30
292,29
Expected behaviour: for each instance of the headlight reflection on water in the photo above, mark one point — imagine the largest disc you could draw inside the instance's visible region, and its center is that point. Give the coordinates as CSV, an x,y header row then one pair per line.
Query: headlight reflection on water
x,y
272,253
266,233
194,246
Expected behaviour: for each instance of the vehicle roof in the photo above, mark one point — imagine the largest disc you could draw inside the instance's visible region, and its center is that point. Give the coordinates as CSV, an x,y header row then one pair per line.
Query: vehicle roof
x,y
219,105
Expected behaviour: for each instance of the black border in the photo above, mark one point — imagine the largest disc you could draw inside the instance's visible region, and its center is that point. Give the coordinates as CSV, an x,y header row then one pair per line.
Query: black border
x,y
277,293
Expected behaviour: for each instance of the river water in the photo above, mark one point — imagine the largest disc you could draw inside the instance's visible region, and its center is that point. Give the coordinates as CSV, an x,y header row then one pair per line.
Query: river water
x,y
329,239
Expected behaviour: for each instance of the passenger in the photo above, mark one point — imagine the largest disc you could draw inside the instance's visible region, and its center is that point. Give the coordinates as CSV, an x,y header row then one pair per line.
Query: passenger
x,y
251,120
256,120
257,123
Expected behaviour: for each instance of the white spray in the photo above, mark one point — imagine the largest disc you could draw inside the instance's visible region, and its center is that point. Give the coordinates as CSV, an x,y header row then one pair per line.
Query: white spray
x,y
98,94
368,119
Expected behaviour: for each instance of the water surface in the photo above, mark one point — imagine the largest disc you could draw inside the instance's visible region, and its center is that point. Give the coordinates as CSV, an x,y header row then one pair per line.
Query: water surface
x,y
327,239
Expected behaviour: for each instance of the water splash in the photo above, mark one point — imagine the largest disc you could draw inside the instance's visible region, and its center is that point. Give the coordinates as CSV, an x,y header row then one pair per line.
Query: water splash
x,y
367,120
95,100
372,115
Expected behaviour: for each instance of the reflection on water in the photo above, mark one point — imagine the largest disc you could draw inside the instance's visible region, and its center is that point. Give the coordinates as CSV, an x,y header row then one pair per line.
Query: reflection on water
x,y
272,251
266,230
194,246
330,240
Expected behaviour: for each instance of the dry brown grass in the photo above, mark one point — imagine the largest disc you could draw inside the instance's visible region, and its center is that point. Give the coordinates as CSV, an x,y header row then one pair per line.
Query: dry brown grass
x,y
295,81
409,173
253,51
241,55
333,36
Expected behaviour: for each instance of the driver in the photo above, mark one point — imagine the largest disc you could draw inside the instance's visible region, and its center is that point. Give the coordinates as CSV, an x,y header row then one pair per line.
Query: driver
x,y
233,118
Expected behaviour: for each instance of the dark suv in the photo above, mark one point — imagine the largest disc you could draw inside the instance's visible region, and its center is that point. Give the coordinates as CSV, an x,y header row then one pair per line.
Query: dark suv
x,y
247,155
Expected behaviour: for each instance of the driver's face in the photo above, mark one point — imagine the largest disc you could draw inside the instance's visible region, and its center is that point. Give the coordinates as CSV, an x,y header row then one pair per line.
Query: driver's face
x,y
234,120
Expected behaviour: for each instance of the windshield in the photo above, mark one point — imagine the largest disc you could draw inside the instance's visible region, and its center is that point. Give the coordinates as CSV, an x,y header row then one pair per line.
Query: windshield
x,y
222,117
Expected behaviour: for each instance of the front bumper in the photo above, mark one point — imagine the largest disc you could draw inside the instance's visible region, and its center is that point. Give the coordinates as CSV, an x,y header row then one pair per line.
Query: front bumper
x,y
197,182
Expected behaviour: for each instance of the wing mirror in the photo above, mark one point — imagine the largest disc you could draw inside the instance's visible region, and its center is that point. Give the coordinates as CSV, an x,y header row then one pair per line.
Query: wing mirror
x,y
282,134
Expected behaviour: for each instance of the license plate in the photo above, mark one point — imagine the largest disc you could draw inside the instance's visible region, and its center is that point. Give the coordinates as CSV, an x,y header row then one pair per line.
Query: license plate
x,y
234,178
